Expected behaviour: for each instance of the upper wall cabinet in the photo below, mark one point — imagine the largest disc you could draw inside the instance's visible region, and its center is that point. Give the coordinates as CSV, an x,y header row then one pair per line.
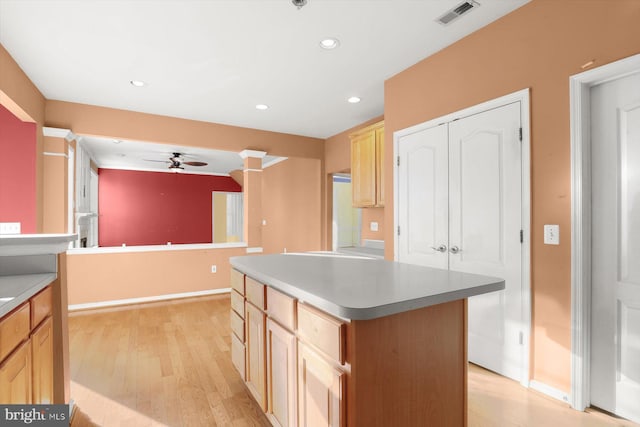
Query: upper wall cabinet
x,y
367,166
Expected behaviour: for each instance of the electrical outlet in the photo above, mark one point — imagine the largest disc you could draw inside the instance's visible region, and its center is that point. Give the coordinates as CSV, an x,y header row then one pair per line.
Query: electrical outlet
x,y
373,226
9,228
214,269
551,234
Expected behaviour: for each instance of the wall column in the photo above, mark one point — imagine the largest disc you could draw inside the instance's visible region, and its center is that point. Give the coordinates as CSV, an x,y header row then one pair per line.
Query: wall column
x,y
55,179
252,198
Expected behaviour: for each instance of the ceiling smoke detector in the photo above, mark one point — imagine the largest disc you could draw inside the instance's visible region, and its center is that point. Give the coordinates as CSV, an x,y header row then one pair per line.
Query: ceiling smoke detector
x,y
299,3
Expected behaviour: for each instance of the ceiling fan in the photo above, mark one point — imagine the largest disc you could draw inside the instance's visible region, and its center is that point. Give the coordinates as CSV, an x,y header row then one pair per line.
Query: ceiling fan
x,y
177,160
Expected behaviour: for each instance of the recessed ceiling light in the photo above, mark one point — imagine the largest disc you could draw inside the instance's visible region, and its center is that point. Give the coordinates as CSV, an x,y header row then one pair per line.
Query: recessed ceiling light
x,y
353,100
137,83
262,107
329,43
116,141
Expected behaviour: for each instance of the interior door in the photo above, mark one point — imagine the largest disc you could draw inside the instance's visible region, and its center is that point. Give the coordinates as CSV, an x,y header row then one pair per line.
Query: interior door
x,y
485,185
615,322
424,197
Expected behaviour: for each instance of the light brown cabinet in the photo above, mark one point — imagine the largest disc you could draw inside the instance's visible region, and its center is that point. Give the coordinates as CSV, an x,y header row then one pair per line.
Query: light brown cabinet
x,y
281,376
291,358
26,352
15,377
367,166
320,390
42,361
255,321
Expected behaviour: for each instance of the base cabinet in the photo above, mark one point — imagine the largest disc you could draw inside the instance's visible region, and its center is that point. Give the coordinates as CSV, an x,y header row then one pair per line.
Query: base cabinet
x,y
255,321
42,352
15,377
281,376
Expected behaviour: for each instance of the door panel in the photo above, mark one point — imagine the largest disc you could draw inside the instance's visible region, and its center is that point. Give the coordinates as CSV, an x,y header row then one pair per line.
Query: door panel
x,y
485,181
615,308
423,199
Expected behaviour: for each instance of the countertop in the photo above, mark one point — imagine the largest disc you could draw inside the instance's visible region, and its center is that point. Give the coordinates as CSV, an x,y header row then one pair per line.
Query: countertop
x,y
14,290
358,288
34,244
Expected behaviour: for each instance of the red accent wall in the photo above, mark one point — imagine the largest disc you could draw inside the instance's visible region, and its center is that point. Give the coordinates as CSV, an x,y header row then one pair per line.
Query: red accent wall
x,y
18,171
153,208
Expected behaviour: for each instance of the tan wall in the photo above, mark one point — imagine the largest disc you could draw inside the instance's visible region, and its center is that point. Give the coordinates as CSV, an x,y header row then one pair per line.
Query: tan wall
x,y
290,206
373,215
121,124
108,277
20,96
538,46
337,159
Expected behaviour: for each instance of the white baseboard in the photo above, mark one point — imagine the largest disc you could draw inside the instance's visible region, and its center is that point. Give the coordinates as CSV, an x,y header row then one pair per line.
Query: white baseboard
x,y
128,301
549,391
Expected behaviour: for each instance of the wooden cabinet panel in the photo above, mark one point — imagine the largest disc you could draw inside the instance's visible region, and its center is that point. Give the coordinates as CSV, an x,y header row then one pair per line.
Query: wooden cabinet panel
x,y
237,281
255,292
41,306
282,308
324,332
363,170
15,376
320,391
238,355
14,329
42,362
282,369
367,166
380,167
237,325
256,354
237,303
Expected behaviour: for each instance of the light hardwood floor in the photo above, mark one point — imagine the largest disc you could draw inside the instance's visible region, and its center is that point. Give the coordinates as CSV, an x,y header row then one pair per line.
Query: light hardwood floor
x,y
168,364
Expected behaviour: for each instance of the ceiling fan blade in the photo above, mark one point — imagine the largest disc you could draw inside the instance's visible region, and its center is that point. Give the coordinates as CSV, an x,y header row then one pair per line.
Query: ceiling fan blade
x,y
195,163
157,161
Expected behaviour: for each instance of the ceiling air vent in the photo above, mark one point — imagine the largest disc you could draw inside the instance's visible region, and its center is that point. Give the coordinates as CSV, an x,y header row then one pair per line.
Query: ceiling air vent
x,y
457,12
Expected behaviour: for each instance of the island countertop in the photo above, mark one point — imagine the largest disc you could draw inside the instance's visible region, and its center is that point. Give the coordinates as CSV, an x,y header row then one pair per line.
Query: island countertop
x,y
358,288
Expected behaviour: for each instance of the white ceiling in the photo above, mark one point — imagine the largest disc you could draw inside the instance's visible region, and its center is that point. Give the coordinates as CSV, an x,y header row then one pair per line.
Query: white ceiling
x,y
215,60
146,156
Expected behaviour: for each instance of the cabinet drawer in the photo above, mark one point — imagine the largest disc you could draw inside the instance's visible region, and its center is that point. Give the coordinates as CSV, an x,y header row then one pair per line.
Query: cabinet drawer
x,y
237,281
237,325
324,332
281,307
237,303
41,306
255,292
237,355
14,328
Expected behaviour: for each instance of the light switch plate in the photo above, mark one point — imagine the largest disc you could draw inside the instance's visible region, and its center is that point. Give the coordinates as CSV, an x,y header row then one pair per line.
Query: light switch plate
x,y
373,226
9,228
551,234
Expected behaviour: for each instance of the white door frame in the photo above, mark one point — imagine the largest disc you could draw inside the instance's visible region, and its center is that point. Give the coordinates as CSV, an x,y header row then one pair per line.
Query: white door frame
x,y
580,92
523,97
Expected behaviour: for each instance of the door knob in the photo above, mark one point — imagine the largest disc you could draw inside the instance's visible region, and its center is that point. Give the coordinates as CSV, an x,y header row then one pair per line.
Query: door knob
x,y
454,249
441,248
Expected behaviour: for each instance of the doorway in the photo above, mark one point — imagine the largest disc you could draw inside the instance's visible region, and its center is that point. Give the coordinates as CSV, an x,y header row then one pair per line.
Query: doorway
x,y
462,203
605,154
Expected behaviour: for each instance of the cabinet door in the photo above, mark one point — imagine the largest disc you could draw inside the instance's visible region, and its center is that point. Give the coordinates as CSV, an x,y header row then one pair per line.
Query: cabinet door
x,y
281,375
15,377
380,167
320,391
256,360
363,169
42,361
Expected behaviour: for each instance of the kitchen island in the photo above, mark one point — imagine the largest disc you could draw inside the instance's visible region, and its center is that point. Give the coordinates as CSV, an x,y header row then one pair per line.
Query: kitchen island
x,y
332,340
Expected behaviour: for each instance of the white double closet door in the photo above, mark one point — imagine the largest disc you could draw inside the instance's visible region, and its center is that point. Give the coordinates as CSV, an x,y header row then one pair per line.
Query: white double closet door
x,y
615,246
459,208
